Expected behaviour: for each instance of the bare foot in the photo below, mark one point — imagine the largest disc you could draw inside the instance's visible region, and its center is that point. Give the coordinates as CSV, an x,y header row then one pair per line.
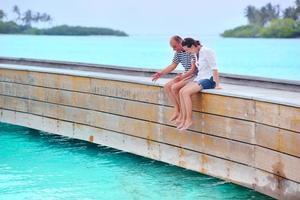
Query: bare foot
x,y
174,117
179,126
187,124
179,120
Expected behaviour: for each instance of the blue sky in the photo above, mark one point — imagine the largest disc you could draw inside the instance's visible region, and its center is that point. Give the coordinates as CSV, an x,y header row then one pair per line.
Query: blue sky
x,y
162,17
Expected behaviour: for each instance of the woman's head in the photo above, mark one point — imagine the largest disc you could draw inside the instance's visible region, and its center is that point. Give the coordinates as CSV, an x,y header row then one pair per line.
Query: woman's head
x,y
191,45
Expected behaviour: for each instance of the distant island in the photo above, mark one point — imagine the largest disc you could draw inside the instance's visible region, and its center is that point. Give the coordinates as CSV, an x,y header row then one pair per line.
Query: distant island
x,y
269,22
22,24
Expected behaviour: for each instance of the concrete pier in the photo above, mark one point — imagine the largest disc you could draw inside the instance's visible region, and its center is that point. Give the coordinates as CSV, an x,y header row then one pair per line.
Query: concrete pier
x,y
245,134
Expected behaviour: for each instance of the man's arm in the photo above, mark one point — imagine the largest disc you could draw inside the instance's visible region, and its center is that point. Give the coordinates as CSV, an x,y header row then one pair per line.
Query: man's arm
x,y
169,69
190,72
165,71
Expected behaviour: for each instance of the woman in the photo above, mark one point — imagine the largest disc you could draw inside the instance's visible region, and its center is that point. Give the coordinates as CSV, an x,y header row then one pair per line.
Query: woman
x,y
188,61
207,78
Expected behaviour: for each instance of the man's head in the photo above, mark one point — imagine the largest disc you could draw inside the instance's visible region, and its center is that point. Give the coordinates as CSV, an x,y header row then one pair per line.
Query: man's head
x,y
175,43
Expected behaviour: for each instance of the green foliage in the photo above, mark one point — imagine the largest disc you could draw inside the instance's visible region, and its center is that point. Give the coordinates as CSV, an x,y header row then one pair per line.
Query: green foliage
x,y
297,30
278,28
243,31
79,30
281,28
13,28
32,31
9,27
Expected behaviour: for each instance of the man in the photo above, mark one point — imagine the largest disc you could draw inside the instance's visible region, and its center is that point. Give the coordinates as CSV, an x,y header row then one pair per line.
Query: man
x,y
187,60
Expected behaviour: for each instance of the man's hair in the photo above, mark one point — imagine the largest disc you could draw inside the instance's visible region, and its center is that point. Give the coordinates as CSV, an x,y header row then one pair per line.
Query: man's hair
x,y
176,38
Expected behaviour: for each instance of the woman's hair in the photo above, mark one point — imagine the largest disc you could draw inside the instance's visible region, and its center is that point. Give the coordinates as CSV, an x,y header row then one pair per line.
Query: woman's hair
x,y
189,42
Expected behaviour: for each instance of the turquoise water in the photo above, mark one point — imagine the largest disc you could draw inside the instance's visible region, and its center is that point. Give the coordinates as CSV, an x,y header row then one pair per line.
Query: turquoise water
x,y
275,58
37,165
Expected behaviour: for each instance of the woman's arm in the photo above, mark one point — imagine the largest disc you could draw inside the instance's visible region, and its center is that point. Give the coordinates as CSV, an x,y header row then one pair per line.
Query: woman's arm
x,y
211,58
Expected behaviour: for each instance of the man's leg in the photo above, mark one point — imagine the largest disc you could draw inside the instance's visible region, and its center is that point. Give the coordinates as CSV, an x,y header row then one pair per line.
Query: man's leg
x,y
190,89
168,91
181,119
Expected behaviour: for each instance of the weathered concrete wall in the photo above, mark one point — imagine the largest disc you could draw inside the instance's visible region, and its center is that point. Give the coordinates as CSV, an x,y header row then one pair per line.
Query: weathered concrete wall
x,y
246,141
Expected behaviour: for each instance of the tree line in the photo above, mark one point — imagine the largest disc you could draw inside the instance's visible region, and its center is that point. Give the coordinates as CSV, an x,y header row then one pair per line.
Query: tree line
x,y
269,21
22,24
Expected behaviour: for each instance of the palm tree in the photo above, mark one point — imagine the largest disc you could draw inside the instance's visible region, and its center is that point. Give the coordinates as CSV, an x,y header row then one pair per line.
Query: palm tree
x,y
290,12
2,15
41,17
269,12
36,17
45,18
273,11
252,14
27,18
297,9
30,17
17,11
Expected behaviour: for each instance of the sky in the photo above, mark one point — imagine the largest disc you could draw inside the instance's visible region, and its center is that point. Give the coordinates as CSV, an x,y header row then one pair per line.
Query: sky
x,y
141,17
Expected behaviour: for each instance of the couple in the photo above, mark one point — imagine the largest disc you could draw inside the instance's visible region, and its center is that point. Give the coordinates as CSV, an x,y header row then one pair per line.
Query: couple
x,y
200,73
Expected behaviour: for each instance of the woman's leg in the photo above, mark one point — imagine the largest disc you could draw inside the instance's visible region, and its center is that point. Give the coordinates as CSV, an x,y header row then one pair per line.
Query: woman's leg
x,y
181,117
175,91
191,89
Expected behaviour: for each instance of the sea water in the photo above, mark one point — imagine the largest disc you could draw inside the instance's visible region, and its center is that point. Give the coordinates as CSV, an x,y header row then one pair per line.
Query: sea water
x,y
36,165
274,58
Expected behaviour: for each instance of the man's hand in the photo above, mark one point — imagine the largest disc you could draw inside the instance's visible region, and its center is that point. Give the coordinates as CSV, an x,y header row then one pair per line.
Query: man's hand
x,y
156,76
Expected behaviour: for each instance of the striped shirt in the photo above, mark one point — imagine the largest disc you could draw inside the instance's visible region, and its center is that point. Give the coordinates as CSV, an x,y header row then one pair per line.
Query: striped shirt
x,y
185,59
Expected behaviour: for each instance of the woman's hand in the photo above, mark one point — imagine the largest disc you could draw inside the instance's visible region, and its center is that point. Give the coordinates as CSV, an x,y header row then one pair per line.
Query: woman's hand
x,y
218,87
